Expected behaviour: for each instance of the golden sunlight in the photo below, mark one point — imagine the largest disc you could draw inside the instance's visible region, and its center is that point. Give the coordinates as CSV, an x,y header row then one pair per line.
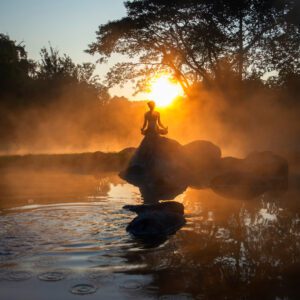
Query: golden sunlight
x,y
164,91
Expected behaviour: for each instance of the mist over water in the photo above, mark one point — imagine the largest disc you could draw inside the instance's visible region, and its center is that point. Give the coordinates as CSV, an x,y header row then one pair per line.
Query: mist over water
x,y
260,122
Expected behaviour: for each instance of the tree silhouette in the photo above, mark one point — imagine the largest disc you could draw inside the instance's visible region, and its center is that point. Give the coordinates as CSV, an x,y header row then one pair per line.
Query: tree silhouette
x,y
15,68
196,39
61,68
56,71
26,82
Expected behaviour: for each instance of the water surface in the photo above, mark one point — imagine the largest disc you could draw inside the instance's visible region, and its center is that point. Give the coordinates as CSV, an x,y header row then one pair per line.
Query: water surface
x,y
63,235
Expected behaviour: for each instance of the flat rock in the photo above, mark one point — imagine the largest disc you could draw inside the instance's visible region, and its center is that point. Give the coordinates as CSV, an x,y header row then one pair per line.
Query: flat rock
x,y
157,220
166,207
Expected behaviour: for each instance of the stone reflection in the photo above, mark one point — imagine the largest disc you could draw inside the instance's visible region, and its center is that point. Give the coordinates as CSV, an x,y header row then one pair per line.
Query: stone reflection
x,y
241,249
154,222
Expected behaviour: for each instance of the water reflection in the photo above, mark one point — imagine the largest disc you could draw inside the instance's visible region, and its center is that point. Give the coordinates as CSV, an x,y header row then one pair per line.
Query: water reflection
x,y
72,233
240,249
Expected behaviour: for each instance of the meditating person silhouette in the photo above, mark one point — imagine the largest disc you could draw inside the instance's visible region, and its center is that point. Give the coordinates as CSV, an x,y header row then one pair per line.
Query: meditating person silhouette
x,y
152,124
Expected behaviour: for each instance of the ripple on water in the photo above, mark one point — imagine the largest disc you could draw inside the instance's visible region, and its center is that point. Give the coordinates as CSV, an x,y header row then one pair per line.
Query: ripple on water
x,y
98,275
51,276
83,289
106,260
131,285
89,235
16,275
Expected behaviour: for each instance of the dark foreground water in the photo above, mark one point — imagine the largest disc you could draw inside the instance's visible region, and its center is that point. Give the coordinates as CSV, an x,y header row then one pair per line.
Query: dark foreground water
x,y
62,236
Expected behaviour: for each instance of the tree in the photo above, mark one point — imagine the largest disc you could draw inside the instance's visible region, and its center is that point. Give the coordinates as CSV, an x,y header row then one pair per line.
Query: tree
x,y
15,68
24,82
196,39
56,67
58,71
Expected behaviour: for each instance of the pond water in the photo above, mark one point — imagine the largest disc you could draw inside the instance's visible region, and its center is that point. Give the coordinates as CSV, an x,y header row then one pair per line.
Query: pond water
x,y
64,235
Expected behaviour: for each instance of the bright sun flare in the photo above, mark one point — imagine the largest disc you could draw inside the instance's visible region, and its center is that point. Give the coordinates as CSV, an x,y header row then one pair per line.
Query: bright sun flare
x,y
164,91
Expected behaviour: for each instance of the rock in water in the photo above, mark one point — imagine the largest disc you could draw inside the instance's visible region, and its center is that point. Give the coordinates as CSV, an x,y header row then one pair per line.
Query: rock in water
x,y
247,178
162,169
156,220
158,168
270,166
166,207
240,185
203,160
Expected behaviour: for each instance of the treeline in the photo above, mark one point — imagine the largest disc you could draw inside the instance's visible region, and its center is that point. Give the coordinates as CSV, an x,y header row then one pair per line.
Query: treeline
x,y
24,82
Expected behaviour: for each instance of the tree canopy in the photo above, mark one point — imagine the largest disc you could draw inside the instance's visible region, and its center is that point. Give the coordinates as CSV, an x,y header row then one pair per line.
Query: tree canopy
x,y
54,66
15,68
24,81
55,71
201,40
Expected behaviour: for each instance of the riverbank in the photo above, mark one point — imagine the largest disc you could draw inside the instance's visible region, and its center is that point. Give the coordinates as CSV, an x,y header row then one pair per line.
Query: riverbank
x,y
89,162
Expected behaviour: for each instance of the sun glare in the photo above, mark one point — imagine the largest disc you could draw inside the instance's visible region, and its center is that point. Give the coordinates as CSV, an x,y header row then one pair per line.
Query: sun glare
x,y
164,91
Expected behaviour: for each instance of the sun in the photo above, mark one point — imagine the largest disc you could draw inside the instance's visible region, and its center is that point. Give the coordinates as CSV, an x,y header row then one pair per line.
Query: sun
x,y
163,91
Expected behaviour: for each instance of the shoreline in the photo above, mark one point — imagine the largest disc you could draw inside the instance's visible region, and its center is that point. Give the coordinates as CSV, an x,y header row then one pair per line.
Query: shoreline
x,y
85,162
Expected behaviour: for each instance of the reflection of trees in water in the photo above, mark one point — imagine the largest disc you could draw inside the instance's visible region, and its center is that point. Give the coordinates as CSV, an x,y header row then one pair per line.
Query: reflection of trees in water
x,y
249,243
103,186
230,247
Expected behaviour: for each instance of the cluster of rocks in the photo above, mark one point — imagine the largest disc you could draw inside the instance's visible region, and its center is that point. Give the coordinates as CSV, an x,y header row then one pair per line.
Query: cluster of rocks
x,y
162,169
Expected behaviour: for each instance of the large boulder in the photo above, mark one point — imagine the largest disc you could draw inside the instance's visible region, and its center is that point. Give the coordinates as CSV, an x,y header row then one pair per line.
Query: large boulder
x,y
272,167
158,169
125,156
258,173
156,220
203,159
240,185
230,164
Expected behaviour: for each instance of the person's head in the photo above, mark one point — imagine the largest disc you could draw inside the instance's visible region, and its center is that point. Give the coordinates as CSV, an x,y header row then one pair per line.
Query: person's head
x,y
151,105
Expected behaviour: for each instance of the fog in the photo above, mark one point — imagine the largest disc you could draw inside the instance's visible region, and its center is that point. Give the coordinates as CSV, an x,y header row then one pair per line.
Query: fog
x,y
70,123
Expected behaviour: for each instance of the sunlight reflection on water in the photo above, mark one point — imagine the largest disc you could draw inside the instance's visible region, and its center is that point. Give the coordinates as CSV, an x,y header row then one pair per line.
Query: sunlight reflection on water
x,y
76,239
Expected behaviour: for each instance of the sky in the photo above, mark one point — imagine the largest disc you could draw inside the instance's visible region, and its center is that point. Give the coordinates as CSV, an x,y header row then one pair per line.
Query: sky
x,y
69,25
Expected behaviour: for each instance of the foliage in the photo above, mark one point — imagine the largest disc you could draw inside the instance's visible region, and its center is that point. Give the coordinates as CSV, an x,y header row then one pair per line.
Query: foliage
x,y
55,67
15,68
56,72
24,82
200,40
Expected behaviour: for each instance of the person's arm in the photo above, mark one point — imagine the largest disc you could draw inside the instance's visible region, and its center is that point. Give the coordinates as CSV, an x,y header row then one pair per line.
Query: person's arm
x,y
159,122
